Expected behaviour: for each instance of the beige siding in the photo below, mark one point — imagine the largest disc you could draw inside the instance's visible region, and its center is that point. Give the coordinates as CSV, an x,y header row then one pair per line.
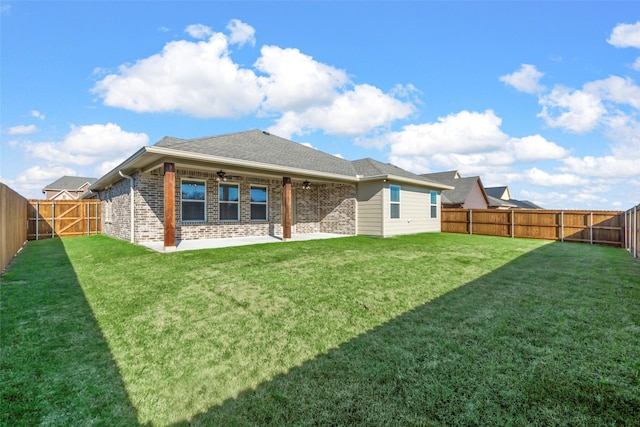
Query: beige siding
x,y
370,207
415,211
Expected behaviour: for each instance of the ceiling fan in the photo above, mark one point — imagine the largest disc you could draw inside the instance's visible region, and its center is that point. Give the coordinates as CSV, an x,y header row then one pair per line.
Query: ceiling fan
x,y
223,176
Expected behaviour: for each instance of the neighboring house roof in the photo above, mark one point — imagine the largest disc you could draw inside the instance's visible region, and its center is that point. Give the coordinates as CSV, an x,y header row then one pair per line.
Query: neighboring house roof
x,y
69,183
258,151
463,186
495,202
525,204
498,192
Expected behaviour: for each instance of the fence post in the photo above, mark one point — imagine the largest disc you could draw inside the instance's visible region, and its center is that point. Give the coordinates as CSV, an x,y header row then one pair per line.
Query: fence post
x,y
37,219
635,233
562,225
470,221
591,229
88,219
53,219
513,227
97,205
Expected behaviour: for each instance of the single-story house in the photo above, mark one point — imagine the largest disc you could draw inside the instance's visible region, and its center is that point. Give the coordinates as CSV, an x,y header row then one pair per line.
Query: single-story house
x,y
257,184
67,188
468,192
501,199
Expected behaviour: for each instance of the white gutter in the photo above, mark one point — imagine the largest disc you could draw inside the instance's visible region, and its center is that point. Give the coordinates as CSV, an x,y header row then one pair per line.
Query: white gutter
x,y
417,182
131,203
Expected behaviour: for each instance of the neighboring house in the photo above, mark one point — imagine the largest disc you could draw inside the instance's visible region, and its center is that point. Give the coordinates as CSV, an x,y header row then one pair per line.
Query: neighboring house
x,y
501,199
468,193
68,188
254,184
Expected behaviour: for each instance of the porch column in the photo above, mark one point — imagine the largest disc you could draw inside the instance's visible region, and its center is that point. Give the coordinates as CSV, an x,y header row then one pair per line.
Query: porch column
x,y
169,206
286,208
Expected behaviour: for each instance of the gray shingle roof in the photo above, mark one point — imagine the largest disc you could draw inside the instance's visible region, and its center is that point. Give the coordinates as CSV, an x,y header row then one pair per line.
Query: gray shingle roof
x,y
69,183
495,191
463,186
262,147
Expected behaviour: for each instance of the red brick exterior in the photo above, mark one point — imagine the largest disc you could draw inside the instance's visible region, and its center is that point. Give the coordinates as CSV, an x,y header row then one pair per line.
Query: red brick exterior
x,y
326,208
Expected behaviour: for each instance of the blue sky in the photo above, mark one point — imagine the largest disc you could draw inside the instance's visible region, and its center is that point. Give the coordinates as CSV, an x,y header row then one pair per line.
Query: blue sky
x,y
541,96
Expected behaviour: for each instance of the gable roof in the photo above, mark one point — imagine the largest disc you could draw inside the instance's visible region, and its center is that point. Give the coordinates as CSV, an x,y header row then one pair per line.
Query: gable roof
x,y
259,151
497,192
69,183
262,147
463,186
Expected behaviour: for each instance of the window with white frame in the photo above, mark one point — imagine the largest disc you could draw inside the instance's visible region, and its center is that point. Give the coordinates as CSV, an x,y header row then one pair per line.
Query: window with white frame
x,y
258,195
193,201
229,202
434,204
394,199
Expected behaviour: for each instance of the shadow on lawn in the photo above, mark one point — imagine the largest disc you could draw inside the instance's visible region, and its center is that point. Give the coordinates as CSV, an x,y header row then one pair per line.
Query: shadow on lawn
x,y
57,368
495,351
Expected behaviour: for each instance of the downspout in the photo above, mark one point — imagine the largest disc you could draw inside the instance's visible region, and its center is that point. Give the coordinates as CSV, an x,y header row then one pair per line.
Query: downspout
x,y
131,203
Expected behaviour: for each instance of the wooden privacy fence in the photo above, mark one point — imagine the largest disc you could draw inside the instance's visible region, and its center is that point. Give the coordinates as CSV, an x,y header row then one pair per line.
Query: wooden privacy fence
x,y
595,227
13,216
632,231
61,218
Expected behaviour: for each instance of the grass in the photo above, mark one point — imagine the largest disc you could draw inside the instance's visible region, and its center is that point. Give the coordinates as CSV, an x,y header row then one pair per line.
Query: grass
x,y
433,329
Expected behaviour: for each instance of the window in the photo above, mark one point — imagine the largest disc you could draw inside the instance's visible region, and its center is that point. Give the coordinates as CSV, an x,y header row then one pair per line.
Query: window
x,y
258,203
434,204
193,201
229,206
395,201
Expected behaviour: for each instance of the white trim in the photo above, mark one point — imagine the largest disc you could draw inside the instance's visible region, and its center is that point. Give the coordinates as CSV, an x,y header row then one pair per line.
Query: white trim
x,y
204,202
231,184
391,202
266,203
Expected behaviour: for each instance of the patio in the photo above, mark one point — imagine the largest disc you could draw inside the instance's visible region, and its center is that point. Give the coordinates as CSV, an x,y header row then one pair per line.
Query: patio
x,y
190,245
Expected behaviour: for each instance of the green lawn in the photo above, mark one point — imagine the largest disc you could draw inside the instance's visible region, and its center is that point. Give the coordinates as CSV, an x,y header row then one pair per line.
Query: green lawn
x,y
432,329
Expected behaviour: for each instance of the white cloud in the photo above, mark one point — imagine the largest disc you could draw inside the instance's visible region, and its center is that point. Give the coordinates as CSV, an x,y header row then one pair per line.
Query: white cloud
x,y
355,112
460,133
22,130
241,33
636,64
37,114
616,89
604,166
470,142
85,145
303,95
525,80
195,78
534,148
199,31
573,110
539,177
625,35
296,81
30,182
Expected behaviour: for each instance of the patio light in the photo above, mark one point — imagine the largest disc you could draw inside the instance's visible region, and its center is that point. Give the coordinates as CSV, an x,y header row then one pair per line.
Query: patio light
x,y
306,185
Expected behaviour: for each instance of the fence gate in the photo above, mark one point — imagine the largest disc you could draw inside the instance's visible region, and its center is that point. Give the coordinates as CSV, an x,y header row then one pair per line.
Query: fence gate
x,y
61,218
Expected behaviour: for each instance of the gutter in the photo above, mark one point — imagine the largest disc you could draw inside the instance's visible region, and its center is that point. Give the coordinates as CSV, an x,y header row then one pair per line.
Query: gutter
x,y
131,203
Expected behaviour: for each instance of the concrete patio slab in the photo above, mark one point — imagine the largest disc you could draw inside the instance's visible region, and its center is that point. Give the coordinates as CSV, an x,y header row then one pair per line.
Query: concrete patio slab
x,y
190,245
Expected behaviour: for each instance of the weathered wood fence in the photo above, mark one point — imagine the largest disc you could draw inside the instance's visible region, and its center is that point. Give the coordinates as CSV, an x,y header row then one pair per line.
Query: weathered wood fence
x,y
62,218
13,217
595,227
632,231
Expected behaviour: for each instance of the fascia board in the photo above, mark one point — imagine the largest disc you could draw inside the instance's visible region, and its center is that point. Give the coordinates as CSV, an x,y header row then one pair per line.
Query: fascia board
x,y
401,179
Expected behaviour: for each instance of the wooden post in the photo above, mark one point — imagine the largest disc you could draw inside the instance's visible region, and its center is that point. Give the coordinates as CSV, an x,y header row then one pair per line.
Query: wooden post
x,y
591,229
470,221
513,226
169,206
562,225
286,208
37,220
53,219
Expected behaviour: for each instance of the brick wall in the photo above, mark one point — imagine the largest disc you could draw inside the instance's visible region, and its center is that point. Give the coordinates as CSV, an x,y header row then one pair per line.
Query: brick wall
x,y
328,208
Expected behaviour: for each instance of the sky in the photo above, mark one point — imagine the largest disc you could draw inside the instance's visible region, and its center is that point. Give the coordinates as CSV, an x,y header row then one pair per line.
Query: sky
x,y
542,97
